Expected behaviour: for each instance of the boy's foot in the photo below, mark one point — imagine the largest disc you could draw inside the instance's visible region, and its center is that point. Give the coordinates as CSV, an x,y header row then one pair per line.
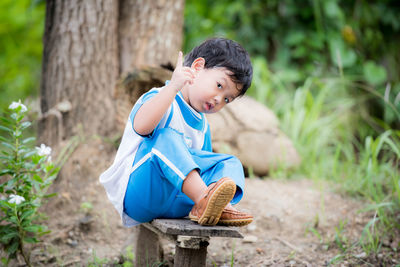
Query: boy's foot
x,y
208,210
232,217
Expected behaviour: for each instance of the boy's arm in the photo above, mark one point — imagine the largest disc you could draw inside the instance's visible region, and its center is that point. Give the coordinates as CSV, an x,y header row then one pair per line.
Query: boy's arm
x,y
150,113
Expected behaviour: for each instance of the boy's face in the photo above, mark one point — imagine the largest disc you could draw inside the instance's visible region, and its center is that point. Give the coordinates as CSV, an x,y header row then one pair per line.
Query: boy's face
x,y
211,90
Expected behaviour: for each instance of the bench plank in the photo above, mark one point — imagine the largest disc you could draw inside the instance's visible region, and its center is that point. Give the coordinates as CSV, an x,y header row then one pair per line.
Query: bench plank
x,y
187,227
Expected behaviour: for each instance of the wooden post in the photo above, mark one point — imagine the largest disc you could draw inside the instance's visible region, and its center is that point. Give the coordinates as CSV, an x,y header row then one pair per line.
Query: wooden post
x,y
191,251
148,248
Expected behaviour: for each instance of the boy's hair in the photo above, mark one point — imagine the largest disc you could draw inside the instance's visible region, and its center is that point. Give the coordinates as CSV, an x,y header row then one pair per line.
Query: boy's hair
x,y
224,53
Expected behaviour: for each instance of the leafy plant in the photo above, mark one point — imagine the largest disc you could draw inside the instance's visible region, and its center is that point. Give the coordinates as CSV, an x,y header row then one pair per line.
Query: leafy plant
x,y
370,240
315,232
232,255
96,261
129,257
26,173
86,207
340,239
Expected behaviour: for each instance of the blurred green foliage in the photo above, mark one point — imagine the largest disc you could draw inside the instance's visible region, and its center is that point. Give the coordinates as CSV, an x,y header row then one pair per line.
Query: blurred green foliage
x,y
329,69
21,30
312,38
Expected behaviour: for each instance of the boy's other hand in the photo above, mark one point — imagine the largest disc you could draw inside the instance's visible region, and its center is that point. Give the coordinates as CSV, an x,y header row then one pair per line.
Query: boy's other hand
x,y
181,76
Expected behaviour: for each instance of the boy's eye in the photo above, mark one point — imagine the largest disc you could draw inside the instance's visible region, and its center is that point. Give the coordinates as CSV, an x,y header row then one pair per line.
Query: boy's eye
x,y
226,100
219,85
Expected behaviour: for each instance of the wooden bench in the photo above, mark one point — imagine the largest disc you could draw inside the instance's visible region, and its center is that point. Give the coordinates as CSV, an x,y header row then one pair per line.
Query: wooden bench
x,y
191,241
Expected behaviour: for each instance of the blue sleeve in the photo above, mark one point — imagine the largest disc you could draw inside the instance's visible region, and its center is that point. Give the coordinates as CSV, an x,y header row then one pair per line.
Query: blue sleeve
x,y
143,99
207,140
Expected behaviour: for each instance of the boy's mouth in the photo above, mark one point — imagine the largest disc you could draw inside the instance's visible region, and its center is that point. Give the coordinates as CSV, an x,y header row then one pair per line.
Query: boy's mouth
x,y
209,106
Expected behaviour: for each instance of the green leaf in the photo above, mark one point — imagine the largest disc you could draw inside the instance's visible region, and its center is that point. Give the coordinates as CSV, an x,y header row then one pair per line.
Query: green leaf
x,y
35,158
377,206
332,9
14,116
51,178
22,151
4,261
10,206
49,168
341,55
44,233
295,37
14,246
6,121
373,73
12,219
33,228
27,214
5,158
6,171
7,237
25,124
394,147
50,195
29,139
17,133
8,145
5,129
20,116
37,178
5,153
30,154
31,240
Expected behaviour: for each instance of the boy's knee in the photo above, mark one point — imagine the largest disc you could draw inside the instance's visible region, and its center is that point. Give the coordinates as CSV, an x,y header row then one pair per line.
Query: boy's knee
x,y
234,161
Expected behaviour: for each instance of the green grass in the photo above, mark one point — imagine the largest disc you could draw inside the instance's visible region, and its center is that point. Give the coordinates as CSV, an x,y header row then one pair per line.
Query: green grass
x,y
327,120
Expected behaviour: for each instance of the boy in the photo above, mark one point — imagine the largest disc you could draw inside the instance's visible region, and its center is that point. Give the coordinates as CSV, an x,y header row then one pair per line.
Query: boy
x,y
165,167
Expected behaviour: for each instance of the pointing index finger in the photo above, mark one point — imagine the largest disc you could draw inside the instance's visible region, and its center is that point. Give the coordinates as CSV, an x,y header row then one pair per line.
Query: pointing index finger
x,y
179,62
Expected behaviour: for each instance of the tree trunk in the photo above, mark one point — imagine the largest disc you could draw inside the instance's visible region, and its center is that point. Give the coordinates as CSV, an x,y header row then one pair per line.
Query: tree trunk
x,y
80,68
87,46
150,33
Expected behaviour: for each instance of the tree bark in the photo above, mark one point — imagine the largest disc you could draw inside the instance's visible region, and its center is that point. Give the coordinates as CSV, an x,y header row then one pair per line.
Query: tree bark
x,y
150,33
87,46
80,66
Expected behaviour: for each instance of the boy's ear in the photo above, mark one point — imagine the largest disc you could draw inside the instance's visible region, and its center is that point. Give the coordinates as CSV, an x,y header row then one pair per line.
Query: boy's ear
x,y
198,63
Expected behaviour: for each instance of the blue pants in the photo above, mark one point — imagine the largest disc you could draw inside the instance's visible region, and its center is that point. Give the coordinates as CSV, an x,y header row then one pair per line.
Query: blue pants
x,y
161,164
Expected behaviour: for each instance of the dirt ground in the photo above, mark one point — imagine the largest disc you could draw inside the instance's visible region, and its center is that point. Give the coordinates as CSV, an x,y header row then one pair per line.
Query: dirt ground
x,y
296,222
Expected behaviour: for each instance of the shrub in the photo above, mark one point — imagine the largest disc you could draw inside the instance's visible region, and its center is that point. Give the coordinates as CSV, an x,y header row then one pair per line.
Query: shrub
x,y
26,173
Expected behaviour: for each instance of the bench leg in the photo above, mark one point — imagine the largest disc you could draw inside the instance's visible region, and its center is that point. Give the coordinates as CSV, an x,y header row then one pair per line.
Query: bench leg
x,y
148,248
191,251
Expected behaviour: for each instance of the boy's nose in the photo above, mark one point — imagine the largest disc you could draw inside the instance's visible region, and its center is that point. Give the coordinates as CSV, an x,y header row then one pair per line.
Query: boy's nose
x,y
218,99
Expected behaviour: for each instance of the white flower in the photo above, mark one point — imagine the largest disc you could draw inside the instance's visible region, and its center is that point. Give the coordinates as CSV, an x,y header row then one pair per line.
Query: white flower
x,y
43,150
16,199
15,105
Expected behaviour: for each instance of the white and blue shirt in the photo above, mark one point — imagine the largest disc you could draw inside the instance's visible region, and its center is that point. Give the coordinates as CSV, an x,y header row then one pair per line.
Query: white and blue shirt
x,y
179,116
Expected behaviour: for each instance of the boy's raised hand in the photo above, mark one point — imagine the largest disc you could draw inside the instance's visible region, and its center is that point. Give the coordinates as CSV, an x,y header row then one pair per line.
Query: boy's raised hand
x,y
181,75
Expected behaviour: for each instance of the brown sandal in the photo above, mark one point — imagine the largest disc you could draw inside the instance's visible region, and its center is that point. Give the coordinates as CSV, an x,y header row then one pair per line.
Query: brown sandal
x,y
209,209
232,217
